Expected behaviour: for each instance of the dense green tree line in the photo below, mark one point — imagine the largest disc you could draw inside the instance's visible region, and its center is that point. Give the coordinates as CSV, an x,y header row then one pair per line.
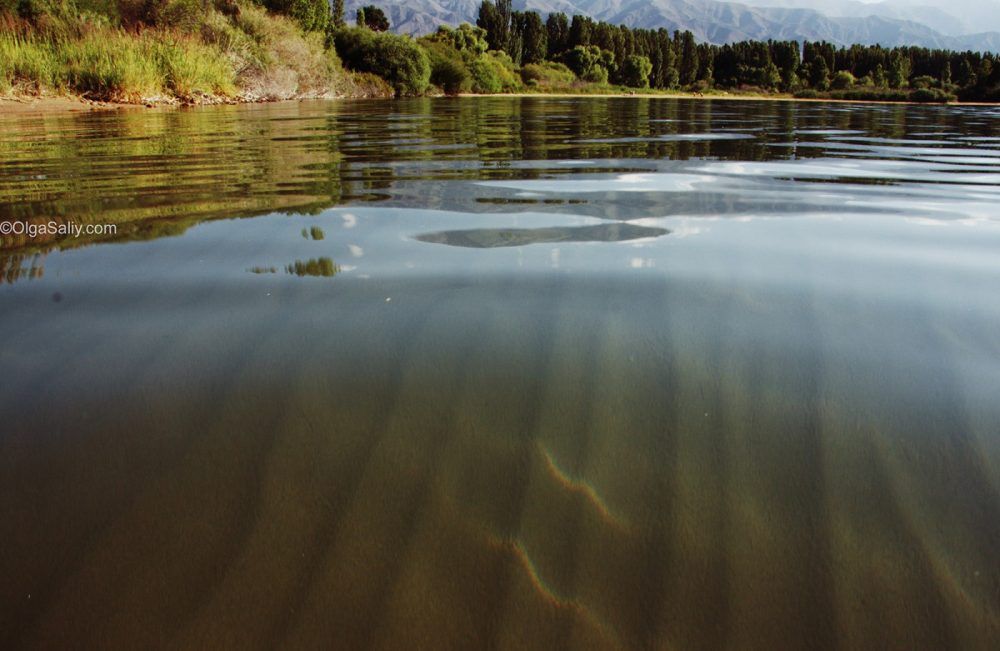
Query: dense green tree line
x,y
507,49
637,57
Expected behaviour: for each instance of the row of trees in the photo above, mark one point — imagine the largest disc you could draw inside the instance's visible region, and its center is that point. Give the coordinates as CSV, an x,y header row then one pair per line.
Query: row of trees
x,y
509,48
597,50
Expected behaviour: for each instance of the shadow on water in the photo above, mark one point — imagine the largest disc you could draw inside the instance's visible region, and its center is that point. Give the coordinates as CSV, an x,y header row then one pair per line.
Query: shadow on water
x,y
157,174
489,238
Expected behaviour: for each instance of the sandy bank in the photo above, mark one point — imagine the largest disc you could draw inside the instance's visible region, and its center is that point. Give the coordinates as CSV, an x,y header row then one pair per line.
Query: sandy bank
x,y
36,105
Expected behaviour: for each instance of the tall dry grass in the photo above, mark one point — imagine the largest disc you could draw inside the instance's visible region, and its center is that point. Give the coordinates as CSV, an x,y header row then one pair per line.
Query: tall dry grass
x,y
115,56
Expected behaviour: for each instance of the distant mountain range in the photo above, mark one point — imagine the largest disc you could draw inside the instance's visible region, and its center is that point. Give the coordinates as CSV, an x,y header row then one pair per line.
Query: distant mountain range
x,y
950,17
888,23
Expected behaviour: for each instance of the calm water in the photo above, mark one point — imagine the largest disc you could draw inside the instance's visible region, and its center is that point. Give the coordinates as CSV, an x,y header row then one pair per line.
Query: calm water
x,y
502,373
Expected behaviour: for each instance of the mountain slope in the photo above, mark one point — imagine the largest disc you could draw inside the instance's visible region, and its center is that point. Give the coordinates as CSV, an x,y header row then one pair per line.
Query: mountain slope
x,y
951,17
936,18
709,20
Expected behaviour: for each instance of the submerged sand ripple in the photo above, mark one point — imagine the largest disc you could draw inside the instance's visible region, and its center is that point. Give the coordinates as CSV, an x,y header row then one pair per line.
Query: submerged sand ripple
x,y
475,476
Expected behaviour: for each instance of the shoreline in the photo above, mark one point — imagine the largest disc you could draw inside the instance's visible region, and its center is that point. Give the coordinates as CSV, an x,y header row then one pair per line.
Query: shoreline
x,y
17,105
48,104
30,104
728,97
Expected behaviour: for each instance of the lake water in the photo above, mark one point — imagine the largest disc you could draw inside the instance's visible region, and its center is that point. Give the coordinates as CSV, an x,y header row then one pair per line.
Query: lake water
x,y
511,373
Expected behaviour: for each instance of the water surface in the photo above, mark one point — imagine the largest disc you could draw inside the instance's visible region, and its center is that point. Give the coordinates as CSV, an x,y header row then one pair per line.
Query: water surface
x,y
502,373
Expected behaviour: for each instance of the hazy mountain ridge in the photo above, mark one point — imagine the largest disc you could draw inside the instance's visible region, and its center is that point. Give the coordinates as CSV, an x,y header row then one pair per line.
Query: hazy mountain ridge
x,y
950,17
709,20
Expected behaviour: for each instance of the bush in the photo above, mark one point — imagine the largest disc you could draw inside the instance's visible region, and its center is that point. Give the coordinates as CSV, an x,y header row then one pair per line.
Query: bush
x,y
448,70
875,95
312,15
702,86
547,73
583,59
842,80
465,38
451,75
930,95
243,51
183,15
597,74
765,76
33,10
460,62
493,72
396,58
365,84
864,94
635,71
274,59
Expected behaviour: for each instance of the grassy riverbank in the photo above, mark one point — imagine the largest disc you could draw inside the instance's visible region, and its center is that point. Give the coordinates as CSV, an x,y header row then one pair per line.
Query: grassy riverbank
x,y
184,52
212,51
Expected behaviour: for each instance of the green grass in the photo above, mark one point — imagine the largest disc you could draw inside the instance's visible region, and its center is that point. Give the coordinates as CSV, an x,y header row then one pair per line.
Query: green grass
x,y
198,54
111,64
189,66
24,60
